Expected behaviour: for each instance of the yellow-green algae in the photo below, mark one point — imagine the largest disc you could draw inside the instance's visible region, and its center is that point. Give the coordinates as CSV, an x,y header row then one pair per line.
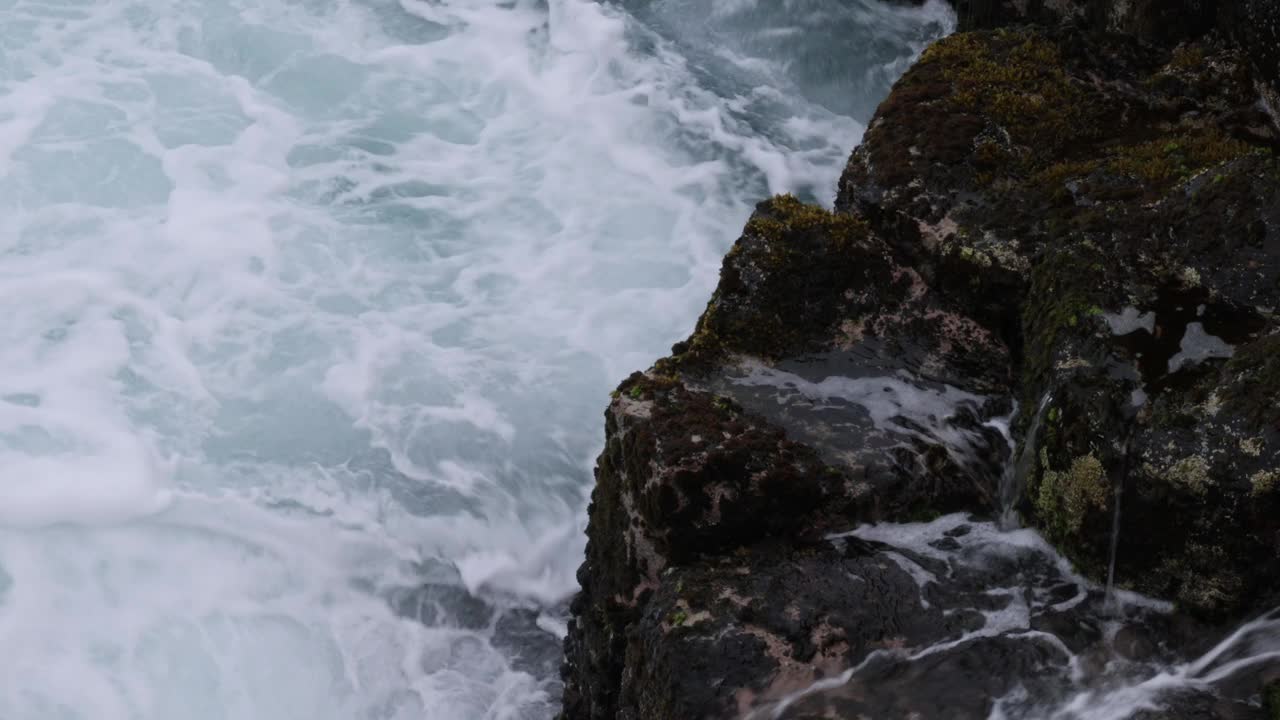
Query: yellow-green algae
x,y
1064,498
1191,472
1150,167
1016,78
1263,482
795,248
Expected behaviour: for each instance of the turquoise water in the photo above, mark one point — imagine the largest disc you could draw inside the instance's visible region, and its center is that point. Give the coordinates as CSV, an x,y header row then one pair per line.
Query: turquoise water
x,y
313,308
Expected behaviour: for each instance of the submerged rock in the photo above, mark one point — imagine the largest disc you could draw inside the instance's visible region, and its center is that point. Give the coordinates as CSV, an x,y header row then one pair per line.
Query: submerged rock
x,y
1044,226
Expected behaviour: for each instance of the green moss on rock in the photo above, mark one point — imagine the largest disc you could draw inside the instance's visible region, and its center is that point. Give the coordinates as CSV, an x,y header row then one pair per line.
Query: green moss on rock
x,y
1015,78
1143,170
787,215
777,284
1190,473
1264,482
1065,294
1065,497
1167,160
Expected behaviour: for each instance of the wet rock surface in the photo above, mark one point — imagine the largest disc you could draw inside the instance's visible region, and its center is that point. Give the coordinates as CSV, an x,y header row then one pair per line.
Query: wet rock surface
x,y
1158,21
1077,180
1050,288
966,628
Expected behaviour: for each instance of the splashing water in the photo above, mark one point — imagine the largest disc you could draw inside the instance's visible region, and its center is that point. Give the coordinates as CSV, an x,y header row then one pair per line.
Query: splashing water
x,y
1252,647
313,306
1014,480
1008,490
1044,642
867,417
1001,626
1113,546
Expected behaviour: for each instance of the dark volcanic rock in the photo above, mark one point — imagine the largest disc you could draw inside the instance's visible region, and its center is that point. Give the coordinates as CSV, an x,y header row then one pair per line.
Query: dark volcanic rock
x,y
1255,25
1083,217
690,473
777,629
1159,21
1113,210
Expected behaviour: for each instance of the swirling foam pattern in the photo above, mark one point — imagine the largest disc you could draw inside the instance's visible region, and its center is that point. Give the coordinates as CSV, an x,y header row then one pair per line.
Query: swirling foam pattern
x,y
308,303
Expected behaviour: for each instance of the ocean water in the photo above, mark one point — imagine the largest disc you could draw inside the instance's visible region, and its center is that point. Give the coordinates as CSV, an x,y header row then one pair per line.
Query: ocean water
x,y
312,308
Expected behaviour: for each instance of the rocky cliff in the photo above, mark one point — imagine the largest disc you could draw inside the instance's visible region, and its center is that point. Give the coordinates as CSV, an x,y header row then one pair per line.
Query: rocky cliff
x,y
1049,287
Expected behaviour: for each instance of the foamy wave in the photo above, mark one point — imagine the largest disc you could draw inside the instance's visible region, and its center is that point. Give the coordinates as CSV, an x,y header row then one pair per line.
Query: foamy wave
x,y
305,297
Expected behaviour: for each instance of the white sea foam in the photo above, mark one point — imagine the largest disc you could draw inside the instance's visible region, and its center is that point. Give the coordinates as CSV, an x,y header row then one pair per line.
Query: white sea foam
x,y
900,405
304,297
